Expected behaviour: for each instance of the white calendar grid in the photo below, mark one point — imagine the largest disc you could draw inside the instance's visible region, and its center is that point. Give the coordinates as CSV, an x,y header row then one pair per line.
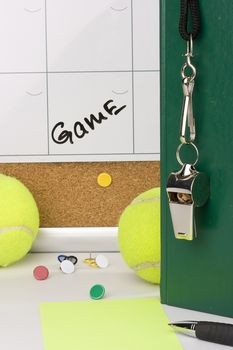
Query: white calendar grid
x,y
62,60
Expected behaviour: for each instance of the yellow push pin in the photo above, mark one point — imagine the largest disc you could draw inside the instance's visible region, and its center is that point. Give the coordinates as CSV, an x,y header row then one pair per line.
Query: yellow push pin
x,y
90,261
93,264
104,180
99,261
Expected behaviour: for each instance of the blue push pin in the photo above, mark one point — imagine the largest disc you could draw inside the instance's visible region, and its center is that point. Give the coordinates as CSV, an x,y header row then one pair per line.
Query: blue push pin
x,y
71,258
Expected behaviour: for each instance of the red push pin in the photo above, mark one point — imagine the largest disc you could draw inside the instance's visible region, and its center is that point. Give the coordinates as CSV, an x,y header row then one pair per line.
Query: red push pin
x,y
40,273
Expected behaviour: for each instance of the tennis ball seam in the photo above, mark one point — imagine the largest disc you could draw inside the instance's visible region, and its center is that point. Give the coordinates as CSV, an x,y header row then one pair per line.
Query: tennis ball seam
x,y
141,200
145,265
13,228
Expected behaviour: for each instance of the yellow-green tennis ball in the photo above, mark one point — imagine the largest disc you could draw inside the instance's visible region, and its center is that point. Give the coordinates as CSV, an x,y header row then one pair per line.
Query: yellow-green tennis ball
x,y
139,235
19,220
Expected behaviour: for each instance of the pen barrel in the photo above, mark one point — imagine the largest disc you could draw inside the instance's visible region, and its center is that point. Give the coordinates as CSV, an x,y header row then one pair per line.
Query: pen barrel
x,y
221,333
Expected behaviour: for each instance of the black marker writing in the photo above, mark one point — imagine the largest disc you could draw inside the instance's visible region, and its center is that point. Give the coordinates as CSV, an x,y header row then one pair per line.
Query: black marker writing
x,y
80,129
64,136
111,109
93,120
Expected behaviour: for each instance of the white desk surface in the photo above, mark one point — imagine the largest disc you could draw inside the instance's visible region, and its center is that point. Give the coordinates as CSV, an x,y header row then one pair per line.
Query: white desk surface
x,y
21,295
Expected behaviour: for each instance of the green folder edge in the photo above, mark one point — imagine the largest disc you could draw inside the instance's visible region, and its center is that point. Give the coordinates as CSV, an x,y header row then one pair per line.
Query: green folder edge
x,y
198,275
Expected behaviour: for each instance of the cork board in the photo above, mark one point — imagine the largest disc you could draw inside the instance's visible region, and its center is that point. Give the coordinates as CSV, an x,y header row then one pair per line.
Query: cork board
x,y
68,195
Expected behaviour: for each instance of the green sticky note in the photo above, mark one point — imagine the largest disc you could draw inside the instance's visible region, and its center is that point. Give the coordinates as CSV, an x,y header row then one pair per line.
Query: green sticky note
x,y
132,324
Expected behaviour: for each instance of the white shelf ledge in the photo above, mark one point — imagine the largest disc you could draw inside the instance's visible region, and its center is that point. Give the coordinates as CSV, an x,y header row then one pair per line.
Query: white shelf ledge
x,y
76,239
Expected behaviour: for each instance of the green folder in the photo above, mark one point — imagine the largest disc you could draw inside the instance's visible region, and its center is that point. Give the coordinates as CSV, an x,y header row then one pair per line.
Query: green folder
x,y
198,274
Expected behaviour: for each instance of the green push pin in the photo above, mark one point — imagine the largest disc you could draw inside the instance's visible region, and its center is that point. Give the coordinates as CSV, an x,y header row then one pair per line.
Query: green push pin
x,y
97,292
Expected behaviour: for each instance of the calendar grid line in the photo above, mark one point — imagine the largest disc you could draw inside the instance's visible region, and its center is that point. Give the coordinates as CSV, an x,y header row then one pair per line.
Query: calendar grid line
x,y
88,71
45,72
79,154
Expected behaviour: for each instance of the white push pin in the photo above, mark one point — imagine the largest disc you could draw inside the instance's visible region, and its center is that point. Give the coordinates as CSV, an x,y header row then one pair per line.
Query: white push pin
x,y
67,266
101,261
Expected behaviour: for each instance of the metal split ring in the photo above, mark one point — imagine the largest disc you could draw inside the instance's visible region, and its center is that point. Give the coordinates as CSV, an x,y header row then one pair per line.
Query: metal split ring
x,y
178,152
193,69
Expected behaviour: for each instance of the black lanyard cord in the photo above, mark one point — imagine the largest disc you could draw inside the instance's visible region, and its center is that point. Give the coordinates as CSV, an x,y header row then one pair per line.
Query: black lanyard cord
x,y
193,7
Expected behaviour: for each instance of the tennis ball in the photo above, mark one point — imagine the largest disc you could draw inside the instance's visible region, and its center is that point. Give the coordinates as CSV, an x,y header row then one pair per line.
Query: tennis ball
x,y
19,220
139,235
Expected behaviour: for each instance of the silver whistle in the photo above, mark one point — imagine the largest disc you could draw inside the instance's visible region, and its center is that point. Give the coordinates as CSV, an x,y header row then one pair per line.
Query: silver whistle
x,y
186,189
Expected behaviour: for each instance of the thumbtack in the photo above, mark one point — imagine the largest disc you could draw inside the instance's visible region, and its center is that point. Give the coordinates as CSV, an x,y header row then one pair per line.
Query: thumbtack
x,y
90,261
104,180
40,273
71,258
97,292
67,266
100,261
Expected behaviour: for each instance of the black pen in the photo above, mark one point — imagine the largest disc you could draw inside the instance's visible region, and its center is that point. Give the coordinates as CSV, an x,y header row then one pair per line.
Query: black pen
x,y
215,332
